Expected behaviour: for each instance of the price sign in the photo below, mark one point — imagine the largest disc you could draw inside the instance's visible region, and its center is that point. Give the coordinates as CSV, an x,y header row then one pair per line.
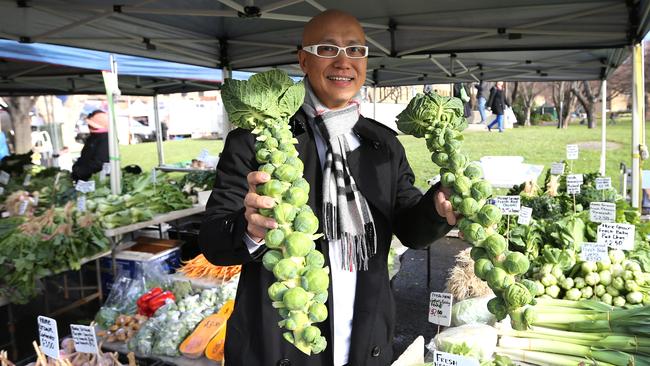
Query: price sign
x,y
572,152
27,180
106,168
603,183
84,338
616,236
525,215
81,203
23,206
573,183
2,190
56,179
85,187
153,176
509,205
48,336
4,177
557,168
450,359
593,252
602,212
203,155
440,308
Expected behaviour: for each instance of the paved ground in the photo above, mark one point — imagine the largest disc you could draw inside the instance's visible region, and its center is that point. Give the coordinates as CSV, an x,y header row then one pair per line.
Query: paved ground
x,y
411,292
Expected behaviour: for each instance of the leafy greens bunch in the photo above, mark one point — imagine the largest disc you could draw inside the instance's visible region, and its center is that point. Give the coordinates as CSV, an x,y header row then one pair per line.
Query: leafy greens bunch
x,y
440,121
264,105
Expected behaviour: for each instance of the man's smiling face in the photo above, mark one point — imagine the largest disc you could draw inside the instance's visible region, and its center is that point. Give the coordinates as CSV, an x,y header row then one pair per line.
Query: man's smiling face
x,y
334,80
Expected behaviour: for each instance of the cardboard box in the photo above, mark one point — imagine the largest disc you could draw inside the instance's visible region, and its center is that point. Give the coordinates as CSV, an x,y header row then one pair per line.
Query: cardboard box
x,y
145,251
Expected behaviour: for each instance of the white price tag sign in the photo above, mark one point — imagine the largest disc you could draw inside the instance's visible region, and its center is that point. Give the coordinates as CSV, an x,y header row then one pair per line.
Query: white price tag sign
x,y
593,252
56,179
450,359
203,155
602,212
2,190
85,187
84,338
616,236
48,336
154,177
440,308
509,205
106,168
603,183
81,203
4,177
557,168
27,180
572,152
23,206
573,183
525,215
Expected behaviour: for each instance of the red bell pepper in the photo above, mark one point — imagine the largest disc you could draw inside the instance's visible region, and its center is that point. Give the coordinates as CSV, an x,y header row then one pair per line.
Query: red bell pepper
x,y
143,301
159,300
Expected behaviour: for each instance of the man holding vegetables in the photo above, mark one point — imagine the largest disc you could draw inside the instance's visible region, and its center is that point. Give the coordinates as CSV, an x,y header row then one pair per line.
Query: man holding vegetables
x,y
362,192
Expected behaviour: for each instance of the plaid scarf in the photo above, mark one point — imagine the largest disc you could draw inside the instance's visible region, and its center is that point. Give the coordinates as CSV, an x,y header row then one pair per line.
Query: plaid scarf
x,y
346,214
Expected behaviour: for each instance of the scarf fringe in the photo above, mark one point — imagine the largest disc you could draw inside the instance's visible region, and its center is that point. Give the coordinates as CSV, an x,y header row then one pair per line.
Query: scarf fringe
x,y
356,250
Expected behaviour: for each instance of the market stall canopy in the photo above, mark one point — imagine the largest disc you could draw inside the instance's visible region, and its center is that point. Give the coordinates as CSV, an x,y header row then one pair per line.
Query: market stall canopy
x,y
521,39
32,69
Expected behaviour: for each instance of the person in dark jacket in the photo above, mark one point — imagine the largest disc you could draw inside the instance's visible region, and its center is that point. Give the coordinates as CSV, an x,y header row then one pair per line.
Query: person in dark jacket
x,y
375,175
497,103
461,92
480,98
95,151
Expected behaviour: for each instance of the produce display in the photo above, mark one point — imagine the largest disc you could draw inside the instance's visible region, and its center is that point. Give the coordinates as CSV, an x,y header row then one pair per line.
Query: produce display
x,y
440,121
194,182
264,105
199,267
124,328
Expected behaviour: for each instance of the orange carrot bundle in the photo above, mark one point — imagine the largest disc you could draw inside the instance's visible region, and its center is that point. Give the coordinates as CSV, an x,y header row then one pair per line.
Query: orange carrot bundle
x,y
199,267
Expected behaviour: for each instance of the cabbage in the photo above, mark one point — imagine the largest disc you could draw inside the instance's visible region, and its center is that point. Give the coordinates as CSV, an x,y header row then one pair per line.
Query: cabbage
x,y
472,311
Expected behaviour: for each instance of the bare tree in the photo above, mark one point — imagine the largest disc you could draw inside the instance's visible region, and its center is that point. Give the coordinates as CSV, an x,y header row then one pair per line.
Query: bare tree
x,y
18,108
583,91
564,101
528,91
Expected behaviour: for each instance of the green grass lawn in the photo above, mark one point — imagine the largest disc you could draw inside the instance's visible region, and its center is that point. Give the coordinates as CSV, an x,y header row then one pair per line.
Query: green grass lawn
x,y
537,144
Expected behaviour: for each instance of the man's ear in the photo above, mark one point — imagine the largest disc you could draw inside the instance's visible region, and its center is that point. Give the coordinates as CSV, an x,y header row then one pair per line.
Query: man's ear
x,y
302,60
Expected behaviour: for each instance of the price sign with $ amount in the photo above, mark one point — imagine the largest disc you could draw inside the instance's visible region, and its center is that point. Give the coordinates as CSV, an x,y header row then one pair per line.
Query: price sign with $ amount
x,y
48,336
440,308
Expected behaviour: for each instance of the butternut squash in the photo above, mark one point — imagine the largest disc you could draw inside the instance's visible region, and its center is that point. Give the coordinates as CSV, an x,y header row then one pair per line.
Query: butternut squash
x,y
194,345
215,349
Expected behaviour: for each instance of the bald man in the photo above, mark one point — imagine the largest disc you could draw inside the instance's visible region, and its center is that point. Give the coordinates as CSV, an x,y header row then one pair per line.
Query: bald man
x,y
362,192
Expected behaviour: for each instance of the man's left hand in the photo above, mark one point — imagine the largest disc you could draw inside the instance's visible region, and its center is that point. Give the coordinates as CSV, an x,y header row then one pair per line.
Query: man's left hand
x,y
443,206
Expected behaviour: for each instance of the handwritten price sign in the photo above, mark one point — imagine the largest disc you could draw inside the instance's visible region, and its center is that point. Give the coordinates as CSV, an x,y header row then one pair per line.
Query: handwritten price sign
x,y
48,336
440,308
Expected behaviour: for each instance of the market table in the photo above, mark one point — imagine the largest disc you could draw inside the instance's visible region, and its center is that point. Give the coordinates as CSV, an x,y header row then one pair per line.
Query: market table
x,y
179,360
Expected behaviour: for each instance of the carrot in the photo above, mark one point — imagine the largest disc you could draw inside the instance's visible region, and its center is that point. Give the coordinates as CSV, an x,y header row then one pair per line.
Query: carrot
x,y
200,267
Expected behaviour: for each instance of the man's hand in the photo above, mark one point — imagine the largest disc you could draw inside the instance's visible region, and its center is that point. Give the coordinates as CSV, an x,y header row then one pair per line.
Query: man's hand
x,y
443,206
257,224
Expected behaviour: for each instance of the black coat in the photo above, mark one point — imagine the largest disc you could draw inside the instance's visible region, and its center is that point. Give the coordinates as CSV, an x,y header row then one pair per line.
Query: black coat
x,y
93,156
384,176
497,101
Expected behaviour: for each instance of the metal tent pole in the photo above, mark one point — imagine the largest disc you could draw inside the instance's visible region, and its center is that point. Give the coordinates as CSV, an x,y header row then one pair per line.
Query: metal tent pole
x,y
638,115
603,137
159,137
112,91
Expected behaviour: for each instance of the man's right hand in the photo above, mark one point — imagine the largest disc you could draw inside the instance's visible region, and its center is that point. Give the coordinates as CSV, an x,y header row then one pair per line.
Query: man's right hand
x,y
257,224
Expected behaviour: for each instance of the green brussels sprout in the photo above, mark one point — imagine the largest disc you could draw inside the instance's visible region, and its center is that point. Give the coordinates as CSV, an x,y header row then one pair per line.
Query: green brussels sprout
x,y
498,308
271,143
592,278
477,253
473,171
605,277
276,291
605,263
634,297
549,280
288,148
271,258
452,146
456,200
606,298
315,280
517,295
599,290
297,320
474,233
447,179
587,292
618,301
310,334
298,244
286,173
488,215
530,285
588,267
469,207
553,291
296,163
481,190
540,288
499,279
285,269
295,298
579,282
462,185
284,213
495,244
278,157
516,263
457,162
305,222
567,283
315,259
318,345
296,196
573,294
321,297
301,183
273,238
284,312
263,155
481,268
273,188
440,159
463,223
267,168
317,312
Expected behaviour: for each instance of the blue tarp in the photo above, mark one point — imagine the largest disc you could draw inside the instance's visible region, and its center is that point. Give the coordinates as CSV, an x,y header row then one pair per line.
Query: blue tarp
x,y
96,60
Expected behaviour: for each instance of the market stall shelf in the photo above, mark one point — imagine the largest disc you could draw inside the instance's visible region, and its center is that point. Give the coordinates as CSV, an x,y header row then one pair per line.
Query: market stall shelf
x,y
180,360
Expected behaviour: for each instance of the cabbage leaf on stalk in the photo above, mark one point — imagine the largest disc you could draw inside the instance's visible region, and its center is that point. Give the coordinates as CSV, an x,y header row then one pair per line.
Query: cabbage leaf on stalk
x,y
424,109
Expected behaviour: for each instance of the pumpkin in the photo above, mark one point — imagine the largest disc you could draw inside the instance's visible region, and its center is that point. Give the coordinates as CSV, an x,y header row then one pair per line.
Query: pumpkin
x,y
194,345
215,348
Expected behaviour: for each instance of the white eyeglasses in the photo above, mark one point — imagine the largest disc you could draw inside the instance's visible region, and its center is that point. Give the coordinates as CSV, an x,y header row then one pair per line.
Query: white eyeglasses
x,y
332,51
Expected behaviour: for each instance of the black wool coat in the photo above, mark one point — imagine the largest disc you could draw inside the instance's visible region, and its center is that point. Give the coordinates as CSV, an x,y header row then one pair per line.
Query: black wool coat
x,y
93,156
383,175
